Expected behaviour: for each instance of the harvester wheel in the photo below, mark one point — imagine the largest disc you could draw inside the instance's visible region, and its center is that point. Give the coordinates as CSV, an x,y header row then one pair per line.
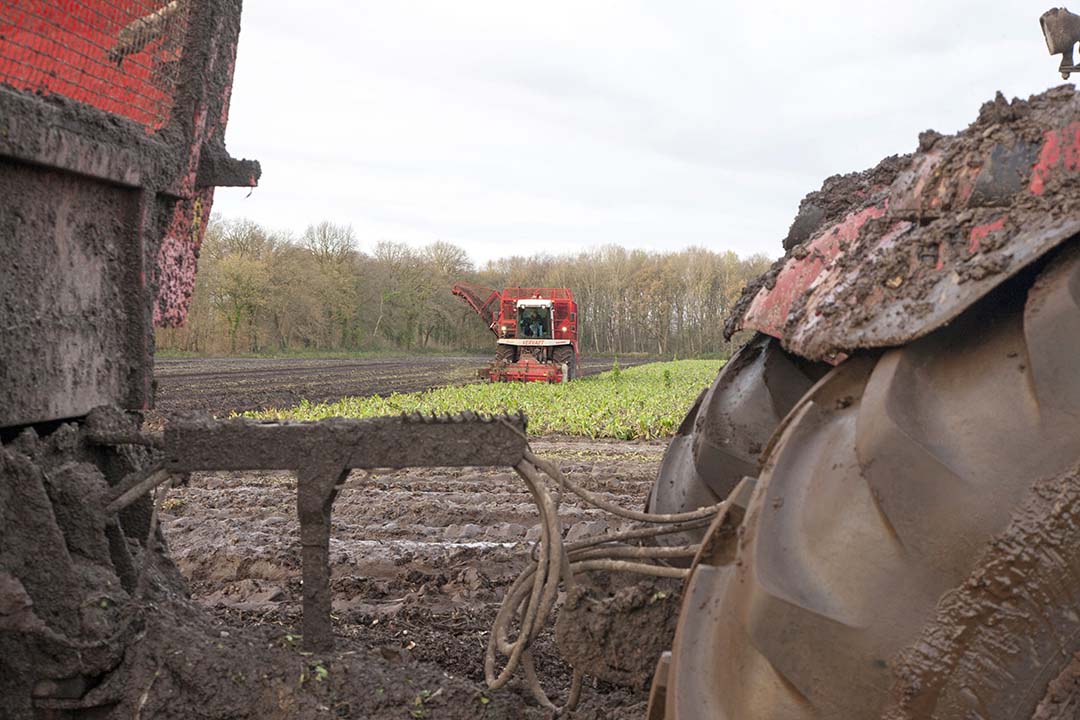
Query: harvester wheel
x,y
564,355
505,353
894,556
722,436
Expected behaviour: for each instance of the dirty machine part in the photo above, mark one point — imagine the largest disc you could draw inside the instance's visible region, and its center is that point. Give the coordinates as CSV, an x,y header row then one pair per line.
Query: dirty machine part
x,y
108,165
322,454
884,257
885,488
908,547
1061,29
721,439
112,126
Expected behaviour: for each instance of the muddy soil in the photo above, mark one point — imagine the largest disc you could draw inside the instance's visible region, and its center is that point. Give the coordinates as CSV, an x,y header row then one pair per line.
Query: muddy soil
x,y
1063,695
420,559
223,385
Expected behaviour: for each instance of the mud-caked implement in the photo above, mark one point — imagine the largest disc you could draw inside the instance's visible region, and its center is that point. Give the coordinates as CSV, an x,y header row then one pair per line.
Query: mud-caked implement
x,y
907,413
112,122
536,331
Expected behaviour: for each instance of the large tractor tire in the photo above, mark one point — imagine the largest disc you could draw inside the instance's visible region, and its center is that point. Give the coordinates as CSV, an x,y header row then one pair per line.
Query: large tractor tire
x,y
904,551
722,437
505,353
564,355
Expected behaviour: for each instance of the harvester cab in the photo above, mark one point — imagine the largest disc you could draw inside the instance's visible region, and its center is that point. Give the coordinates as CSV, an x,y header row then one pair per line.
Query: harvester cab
x,y
534,318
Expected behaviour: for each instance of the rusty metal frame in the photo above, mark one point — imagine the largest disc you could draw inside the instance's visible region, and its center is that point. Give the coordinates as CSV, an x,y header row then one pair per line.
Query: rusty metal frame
x,y
321,454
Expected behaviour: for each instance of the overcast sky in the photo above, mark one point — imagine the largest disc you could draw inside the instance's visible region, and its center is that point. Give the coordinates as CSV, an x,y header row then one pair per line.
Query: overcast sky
x,y
510,127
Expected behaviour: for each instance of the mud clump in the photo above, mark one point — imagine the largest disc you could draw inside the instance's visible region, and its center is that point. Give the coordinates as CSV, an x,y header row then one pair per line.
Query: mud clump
x,y
839,195
998,638
1062,701
911,243
619,636
66,608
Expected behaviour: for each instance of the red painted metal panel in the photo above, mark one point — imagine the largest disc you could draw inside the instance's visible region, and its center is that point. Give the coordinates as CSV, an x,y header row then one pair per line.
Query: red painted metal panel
x,y
770,309
979,233
1061,149
121,56
127,202
526,370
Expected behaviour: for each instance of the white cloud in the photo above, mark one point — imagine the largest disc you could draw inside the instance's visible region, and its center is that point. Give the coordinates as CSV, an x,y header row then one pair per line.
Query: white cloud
x,y
506,127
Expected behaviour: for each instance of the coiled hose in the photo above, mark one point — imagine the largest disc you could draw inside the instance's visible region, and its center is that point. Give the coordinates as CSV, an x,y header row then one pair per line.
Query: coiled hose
x,y
532,595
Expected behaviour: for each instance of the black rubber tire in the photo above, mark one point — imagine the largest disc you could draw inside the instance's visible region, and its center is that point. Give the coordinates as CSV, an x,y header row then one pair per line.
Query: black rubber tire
x,y
505,353
564,355
723,435
1008,636
878,500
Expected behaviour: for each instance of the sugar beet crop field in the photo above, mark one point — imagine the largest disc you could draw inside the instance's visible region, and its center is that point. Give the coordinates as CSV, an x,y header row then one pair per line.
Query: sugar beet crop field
x,y
220,386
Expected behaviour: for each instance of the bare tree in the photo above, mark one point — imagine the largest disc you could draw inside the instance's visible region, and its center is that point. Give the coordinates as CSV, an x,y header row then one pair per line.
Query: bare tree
x,y
320,291
330,244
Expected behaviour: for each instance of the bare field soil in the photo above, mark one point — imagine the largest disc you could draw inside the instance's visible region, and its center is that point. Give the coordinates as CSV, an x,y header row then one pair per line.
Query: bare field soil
x,y
223,385
420,559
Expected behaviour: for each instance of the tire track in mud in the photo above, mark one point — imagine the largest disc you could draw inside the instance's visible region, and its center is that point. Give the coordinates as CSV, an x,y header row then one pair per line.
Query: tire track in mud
x,y
420,558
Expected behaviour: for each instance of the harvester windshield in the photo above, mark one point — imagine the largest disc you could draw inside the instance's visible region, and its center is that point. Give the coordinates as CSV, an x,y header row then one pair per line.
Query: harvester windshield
x,y
534,319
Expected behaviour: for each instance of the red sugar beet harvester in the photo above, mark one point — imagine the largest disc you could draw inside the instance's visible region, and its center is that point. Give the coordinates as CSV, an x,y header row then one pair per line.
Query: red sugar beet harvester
x,y
536,330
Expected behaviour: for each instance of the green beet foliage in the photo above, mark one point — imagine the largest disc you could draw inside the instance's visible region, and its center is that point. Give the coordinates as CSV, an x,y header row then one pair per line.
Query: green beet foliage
x,y
647,401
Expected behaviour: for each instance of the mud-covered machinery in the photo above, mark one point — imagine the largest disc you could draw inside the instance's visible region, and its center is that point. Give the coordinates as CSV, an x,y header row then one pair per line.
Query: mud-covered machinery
x,y
888,466
536,330
899,442
112,123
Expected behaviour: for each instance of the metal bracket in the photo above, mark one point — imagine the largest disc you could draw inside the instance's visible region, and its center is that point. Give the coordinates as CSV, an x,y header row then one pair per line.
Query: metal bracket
x,y
322,453
1061,29
219,169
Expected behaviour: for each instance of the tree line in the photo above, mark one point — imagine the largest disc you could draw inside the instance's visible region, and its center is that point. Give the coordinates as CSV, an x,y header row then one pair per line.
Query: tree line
x,y
264,292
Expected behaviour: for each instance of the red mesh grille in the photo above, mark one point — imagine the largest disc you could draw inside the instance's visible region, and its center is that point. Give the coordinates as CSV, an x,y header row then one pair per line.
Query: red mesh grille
x,y
122,56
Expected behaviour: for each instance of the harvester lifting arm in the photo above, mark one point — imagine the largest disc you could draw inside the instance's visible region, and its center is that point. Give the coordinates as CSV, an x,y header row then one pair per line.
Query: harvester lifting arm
x,y
488,309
